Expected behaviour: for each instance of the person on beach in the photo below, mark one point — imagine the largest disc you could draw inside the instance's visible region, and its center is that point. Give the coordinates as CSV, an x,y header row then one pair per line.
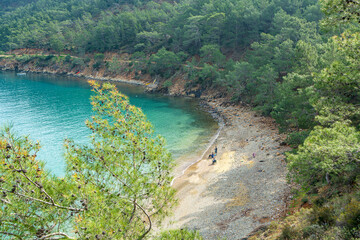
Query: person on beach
x,y
213,161
253,155
215,150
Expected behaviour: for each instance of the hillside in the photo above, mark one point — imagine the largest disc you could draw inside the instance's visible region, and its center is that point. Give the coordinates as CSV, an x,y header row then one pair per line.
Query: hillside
x,y
295,61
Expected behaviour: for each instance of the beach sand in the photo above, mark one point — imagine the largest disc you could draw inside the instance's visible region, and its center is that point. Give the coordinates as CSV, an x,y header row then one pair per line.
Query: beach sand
x,y
240,193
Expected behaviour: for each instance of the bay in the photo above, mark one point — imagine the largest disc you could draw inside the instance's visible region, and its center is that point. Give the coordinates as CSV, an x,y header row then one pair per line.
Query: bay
x,y
50,108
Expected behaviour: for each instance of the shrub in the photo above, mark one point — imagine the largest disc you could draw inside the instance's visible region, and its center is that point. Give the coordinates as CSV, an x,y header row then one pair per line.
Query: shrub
x,y
351,215
164,63
87,60
23,58
77,62
328,157
295,139
67,58
312,231
167,83
99,60
324,216
288,233
183,234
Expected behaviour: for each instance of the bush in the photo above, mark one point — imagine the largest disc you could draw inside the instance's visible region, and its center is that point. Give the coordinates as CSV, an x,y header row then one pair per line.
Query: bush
x,y
328,157
87,60
312,231
183,234
116,66
67,58
99,60
324,216
167,84
183,56
164,63
23,58
351,215
208,75
288,233
78,62
295,139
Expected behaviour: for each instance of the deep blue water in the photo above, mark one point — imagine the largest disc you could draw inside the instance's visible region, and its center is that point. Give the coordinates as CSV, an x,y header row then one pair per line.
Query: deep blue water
x,y
51,108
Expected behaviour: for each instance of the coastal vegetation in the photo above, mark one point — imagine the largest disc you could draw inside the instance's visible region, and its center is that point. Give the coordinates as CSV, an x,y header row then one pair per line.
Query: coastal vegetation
x,y
115,188
296,61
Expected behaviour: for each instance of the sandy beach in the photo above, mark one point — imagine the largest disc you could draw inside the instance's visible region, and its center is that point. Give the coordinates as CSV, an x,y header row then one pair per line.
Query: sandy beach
x,y
237,195
246,188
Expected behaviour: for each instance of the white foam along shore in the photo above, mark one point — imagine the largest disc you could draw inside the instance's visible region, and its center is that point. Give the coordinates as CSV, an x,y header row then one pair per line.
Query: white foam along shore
x,y
208,146
241,192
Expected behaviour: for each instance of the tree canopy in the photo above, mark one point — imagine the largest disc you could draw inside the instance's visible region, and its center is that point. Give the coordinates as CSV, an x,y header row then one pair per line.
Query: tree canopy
x,y
115,187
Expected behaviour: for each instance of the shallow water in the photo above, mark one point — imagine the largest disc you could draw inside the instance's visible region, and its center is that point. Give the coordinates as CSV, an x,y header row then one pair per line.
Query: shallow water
x,y
51,108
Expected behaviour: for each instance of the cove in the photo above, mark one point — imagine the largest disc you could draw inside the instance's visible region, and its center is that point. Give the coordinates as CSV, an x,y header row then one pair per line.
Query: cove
x,y
51,108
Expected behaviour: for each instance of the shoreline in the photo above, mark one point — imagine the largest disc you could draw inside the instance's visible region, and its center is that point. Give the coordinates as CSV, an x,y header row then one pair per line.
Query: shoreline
x,y
221,200
240,193
150,86
212,140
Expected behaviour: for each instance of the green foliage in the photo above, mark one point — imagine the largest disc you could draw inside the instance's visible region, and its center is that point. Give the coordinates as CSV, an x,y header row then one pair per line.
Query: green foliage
x,y
108,25
114,188
182,55
117,66
67,58
139,61
164,63
124,174
77,62
211,54
168,83
207,75
340,11
288,233
323,216
98,60
351,215
241,82
183,234
329,156
336,94
295,139
34,203
23,58
313,232
292,109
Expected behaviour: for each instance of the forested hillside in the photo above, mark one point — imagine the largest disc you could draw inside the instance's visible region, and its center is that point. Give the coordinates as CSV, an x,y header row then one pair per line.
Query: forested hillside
x,y
294,60
247,47
101,25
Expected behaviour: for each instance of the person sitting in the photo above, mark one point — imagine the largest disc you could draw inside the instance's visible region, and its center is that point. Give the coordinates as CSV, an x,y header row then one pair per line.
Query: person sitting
x,y
213,161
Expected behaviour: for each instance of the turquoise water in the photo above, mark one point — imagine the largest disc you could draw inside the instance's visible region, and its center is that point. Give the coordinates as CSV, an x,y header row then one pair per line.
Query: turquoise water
x,y
50,108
